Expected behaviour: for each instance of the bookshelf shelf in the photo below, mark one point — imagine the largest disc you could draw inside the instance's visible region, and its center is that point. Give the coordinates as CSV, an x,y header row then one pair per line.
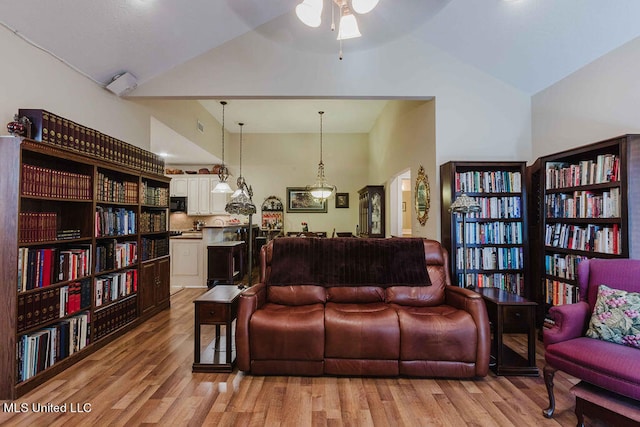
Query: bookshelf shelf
x,y
586,199
53,290
496,238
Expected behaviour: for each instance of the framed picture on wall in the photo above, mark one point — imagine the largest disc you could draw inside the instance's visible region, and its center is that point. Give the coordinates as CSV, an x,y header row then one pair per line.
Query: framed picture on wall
x,y
299,199
342,200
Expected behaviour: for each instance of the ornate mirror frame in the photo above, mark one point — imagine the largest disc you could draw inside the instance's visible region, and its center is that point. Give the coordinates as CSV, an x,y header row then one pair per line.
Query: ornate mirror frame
x,y
422,196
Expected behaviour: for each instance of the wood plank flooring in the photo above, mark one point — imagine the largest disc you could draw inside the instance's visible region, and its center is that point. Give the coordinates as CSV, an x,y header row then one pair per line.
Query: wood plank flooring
x,y
145,378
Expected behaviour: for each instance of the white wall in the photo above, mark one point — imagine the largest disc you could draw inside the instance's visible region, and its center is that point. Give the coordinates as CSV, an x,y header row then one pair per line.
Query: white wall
x,y
33,79
597,102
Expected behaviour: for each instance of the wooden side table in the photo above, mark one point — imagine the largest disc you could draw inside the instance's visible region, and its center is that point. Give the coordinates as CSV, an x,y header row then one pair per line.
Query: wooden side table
x,y
510,313
218,306
225,262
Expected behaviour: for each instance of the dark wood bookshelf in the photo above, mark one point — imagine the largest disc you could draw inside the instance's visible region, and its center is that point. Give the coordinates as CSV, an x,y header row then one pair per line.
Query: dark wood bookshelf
x,y
489,181
623,178
71,213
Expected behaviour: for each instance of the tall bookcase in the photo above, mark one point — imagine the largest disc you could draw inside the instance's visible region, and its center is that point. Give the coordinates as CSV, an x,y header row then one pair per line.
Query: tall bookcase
x,y
84,251
496,237
588,206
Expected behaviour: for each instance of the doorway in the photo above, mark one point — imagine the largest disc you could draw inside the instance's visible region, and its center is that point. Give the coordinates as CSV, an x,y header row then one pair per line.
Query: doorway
x,y
400,204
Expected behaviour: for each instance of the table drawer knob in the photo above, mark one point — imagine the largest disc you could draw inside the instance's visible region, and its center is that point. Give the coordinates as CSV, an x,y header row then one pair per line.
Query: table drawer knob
x,y
212,312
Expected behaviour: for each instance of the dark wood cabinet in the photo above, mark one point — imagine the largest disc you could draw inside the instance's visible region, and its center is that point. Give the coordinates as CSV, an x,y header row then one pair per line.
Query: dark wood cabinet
x,y
371,211
587,199
154,286
496,237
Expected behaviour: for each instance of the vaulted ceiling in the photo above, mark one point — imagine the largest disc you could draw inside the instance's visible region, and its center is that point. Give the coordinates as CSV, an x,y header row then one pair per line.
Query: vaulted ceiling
x,y
528,44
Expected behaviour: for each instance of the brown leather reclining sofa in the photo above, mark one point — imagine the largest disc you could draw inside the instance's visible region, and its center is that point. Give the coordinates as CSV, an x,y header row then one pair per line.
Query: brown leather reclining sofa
x,y
360,307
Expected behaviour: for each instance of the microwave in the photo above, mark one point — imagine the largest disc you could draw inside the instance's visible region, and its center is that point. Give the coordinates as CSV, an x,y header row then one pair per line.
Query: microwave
x,y
178,204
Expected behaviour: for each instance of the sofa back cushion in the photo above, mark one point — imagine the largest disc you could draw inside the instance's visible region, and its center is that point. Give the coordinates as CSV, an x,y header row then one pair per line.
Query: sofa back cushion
x,y
355,294
415,296
347,262
296,295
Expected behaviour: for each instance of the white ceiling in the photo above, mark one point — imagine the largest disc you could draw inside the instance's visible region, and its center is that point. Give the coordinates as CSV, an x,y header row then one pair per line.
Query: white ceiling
x,y
528,44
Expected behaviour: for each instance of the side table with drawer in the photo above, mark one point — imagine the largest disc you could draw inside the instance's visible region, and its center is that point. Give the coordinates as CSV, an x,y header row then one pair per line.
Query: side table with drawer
x,y
219,307
511,314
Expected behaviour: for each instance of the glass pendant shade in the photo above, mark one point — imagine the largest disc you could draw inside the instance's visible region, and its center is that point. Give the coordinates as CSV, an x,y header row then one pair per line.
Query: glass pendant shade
x,y
310,12
363,6
222,187
348,26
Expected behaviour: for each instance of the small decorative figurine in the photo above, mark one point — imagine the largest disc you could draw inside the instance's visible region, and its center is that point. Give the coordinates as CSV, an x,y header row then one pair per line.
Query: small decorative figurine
x,y
20,126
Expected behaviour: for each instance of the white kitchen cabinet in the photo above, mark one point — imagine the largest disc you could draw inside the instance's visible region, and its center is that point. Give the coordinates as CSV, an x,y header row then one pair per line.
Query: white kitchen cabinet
x,y
198,196
188,266
178,186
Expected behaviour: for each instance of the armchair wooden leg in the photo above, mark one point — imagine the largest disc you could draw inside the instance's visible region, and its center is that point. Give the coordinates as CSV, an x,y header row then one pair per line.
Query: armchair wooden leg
x,y
549,373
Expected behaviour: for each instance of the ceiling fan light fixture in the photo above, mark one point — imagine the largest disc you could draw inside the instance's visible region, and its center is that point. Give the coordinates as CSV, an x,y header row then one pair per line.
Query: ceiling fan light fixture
x,y
310,12
348,25
363,6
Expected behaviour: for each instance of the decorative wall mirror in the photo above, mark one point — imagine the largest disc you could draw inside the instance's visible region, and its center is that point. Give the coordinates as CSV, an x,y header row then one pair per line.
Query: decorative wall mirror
x,y
423,198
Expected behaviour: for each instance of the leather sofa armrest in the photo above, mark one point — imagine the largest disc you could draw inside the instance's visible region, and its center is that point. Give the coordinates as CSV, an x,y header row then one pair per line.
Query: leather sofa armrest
x,y
251,299
472,303
570,322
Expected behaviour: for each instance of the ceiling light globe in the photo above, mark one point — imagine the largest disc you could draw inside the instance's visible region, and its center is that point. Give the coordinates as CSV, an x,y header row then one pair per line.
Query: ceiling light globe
x,y
222,187
363,6
310,12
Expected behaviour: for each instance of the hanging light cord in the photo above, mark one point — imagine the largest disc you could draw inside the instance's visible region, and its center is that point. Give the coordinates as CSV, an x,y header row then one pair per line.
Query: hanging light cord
x,y
241,125
321,113
223,104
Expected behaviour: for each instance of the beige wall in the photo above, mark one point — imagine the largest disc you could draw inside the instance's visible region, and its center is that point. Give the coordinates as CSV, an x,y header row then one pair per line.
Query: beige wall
x,y
404,138
273,162
597,102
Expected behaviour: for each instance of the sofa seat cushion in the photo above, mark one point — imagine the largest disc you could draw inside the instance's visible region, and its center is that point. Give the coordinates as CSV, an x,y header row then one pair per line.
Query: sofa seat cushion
x,y
281,332
611,366
361,331
441,333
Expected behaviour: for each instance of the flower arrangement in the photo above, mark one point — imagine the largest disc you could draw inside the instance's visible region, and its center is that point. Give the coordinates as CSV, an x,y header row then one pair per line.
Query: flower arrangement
x,y
305,227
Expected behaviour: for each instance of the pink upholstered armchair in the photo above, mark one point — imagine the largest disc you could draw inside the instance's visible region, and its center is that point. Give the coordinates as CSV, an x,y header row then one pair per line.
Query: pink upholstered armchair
x,y
608,365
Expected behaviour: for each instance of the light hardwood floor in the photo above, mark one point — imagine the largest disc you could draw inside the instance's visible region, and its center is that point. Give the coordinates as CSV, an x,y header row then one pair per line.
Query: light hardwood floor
x,y
145,378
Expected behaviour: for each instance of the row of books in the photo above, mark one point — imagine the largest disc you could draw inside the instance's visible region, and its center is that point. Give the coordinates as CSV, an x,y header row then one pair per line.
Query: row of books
x,y
111,255
498,207
605,168
52,129
114,222
116,191
37,226
41,307
155,196
115,316
497,233
154,248
488,182
558,293
509,282
583,204
114,286
41,267
45,182
491,258
41,349
565,266
153,221
590,238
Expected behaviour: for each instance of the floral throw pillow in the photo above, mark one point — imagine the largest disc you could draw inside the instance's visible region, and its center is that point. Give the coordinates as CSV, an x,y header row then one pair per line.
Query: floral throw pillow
x,y
616,317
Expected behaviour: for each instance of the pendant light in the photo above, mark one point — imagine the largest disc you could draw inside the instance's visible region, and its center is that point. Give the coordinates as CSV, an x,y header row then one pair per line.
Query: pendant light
x,y
321,190
242,204
223,172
